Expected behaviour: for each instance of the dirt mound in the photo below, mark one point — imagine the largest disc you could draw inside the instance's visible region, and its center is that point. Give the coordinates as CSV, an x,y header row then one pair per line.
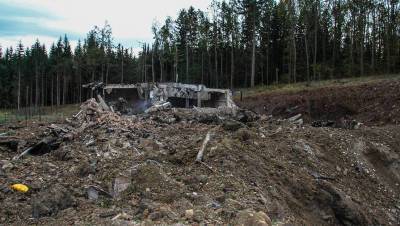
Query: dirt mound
x,y
375,103
130,170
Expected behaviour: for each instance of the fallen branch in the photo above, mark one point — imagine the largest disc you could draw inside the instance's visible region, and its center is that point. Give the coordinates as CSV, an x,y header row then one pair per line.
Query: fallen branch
x,y
208,167
77,114
199,157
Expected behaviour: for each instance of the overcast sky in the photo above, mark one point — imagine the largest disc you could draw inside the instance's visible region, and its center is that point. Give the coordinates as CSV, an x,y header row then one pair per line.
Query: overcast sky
x,y
46,20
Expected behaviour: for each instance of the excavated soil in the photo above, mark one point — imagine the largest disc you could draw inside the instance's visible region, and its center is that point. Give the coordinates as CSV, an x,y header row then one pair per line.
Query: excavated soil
x,y
142,170
372,103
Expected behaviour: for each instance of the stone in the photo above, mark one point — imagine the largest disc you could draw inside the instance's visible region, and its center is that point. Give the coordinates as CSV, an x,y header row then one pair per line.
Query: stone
x,y
62,154
120,185
7,165
346,210
156,215
249,217
189,214
85,168
244,134
231,125
51,201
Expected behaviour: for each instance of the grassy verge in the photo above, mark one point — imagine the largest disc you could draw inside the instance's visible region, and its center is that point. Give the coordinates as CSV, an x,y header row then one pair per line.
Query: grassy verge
x,y
295,87
45,114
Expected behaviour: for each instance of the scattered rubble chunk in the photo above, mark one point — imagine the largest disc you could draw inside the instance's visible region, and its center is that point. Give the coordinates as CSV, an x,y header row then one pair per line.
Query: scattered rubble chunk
x,y
51,201
231,125
9,142
249,217
93,193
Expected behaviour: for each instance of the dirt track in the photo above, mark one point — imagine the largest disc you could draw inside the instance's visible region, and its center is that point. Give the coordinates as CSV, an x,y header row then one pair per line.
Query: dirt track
x,y
143,169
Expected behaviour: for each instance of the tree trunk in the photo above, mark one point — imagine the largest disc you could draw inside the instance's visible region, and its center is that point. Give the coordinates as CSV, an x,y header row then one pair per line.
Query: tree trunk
x,y
102,72
107,72
352,49
187,62
222,67
153,76
43,89
58,88
267,69
293,39
176,64
253,57
80,83
52,91
232,66
64,87
373,41
294,60
362,44
122,66
209,82
202,67
27,99
161,66
19,88
216,65
307,56
36,86
315,40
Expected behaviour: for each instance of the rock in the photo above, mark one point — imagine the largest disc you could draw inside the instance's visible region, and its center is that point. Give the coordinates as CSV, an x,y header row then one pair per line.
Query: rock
x,y
249,217
62,154
156,215
244,134
295,118
244,115
321,123
149,146
231,125
198,216
93,193
108,214
10,145
51,201
299,122
6,165
85,168
346,210
122,216
189,214
120,184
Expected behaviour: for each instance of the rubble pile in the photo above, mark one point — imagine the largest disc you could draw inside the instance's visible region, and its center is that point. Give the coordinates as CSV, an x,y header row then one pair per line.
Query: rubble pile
x,y
198,166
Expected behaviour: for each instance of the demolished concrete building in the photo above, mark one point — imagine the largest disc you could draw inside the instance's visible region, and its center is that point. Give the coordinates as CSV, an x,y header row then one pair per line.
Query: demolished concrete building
x,y
137,97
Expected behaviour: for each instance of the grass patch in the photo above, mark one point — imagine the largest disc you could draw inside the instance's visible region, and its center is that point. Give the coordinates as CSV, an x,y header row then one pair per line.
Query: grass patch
x,y
45,114
296,87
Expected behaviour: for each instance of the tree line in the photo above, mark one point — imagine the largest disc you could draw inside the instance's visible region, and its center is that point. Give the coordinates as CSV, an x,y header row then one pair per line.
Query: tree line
x,y
235,43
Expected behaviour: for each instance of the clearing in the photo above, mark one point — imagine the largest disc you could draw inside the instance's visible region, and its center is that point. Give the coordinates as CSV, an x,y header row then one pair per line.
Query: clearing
x,y
335,164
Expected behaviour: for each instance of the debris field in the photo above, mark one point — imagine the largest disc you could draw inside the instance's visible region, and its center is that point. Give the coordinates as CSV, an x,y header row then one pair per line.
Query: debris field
x,y
198,166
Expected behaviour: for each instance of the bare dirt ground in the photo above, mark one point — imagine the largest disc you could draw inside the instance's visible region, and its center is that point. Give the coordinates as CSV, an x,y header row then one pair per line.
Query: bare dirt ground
x,y
108,169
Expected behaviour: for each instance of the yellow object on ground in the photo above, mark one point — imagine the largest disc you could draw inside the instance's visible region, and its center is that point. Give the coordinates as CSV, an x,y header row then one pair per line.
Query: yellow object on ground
x,y
20,187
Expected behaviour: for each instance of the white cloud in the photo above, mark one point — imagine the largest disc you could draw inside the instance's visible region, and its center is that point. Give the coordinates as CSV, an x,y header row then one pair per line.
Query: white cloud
x,y
130,19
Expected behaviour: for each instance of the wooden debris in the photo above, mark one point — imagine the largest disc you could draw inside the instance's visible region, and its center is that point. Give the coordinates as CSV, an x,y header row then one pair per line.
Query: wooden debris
x,y
103,103
199,157
42,147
